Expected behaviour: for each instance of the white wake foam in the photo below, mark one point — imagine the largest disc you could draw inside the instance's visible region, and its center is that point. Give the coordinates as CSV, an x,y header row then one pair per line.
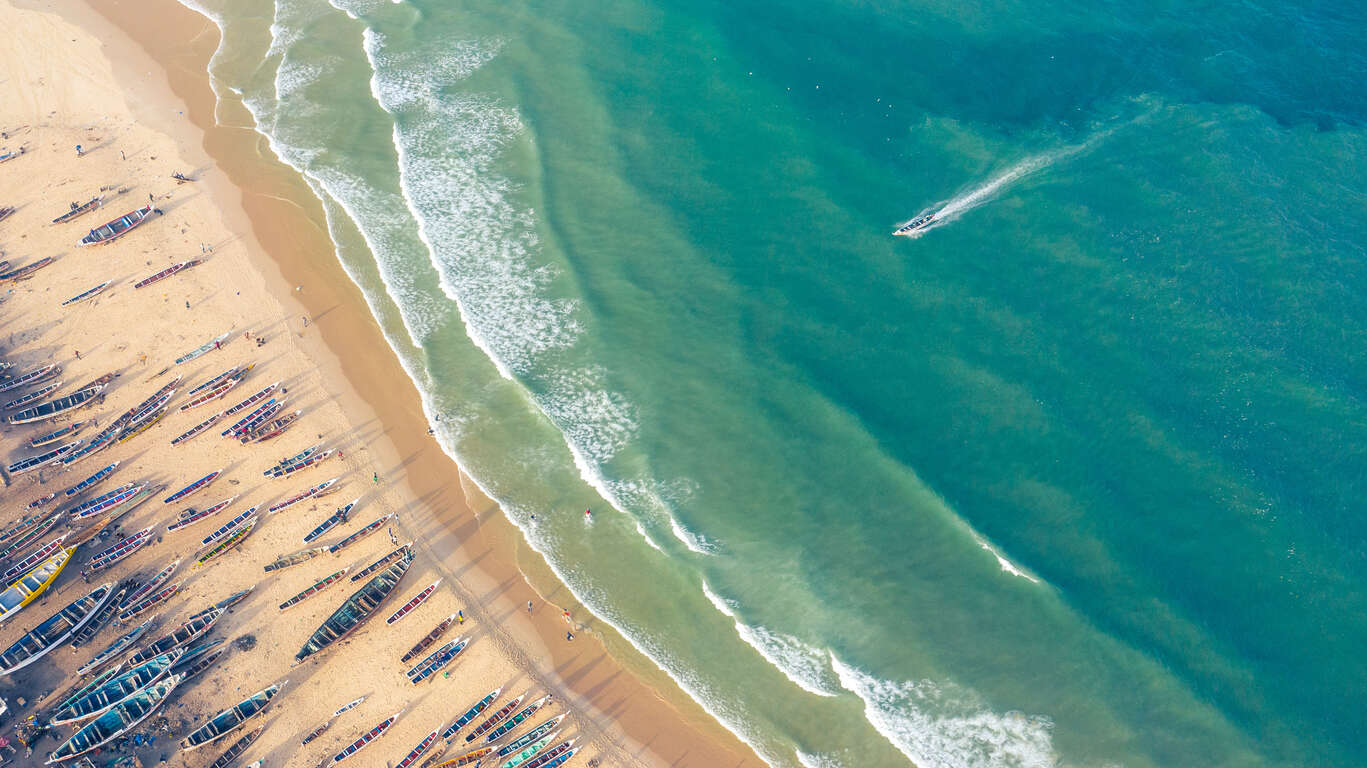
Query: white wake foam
x,y
944,726
805,666
1006,565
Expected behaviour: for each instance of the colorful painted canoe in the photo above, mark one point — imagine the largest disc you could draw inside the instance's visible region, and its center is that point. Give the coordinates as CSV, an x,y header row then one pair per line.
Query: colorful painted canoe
x,y
512,722
437,661
544,730
295,459
181,636
413,604
22,541
469,758
362,604
149,601
219,379
92,481
216,393
361,534
22,527
190,517
271,429
197,429
33,376
311,461
337,518
294,558
268,407
416,753
80,210
32,559
382,562
252,401
128,505
526,751
120,646
113,230
193,488
316,588
43,459
55,631
165,273
99,442
366,738
471,713
494,719
53,408
228,544
230,719
121,550
92,628
225,529
154,583
100,700
319,490
26,271
429,638
88,294
37,394
204,348
104,502
119,720
554,757
231,754
33,584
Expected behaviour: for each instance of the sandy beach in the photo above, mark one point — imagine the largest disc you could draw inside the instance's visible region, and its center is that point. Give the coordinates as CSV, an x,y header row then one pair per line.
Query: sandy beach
x,y
268,289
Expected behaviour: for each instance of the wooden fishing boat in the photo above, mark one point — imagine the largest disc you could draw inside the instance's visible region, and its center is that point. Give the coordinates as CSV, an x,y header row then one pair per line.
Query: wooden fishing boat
x,y
230,719
121,550
438,752
104,501
226,529
191,516
228,544
100,700
54,408
6,211
271,429
31,535
80,210
77,211
202,664
251,401
147,410
88,294
181,636
315,733
382,562
117,228
318,586
361,534
165,273
37,394
511,723
138,427
79,690
198,428
356,609
34,376
92,628
116,649
206,347
314,460
194,487
120,719
149,601
321,489
41,501
545,731
55,631
296,458
26,271
294,558
348,706
138,499
417,752
33,584
413,604
469,758
214,394
152,402
436,661
229,601
554,757
493,720
152,585
33,558
91,482
42,459
526,751
230,755
365,740
219,379
430,638
99,442
257,419
337,518
270,406
24,526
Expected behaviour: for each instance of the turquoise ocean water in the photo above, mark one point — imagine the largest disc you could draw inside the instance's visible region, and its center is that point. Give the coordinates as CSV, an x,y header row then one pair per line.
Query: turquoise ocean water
x,y
1073,479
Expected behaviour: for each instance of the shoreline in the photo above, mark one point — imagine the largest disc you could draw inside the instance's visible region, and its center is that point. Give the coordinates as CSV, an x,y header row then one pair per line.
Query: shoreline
x,y
279,220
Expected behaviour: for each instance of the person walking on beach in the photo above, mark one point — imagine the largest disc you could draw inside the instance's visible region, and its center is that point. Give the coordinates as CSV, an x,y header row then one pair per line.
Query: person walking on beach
x,y
569,636
529,607
376,477
78,151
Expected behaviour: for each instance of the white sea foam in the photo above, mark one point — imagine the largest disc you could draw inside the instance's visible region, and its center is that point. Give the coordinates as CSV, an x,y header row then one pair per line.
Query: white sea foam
x,y
818,761
805,666
642,530
1006,565
944,726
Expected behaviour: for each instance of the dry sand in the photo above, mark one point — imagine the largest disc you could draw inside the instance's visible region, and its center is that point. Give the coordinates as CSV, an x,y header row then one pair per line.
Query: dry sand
x,y
73,79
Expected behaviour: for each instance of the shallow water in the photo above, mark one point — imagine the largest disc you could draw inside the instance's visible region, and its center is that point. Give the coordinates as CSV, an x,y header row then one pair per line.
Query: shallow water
x,y
1070,479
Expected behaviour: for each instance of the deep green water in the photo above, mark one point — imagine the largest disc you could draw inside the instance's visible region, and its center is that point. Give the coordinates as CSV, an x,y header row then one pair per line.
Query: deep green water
x,y
1073,479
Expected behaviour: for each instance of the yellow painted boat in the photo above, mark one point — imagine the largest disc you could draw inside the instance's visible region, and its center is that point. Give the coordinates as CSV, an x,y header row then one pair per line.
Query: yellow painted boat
x,y
33,584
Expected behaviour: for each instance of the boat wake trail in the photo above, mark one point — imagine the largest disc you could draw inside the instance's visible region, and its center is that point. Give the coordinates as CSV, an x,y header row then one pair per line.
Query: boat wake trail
x,y
976,196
